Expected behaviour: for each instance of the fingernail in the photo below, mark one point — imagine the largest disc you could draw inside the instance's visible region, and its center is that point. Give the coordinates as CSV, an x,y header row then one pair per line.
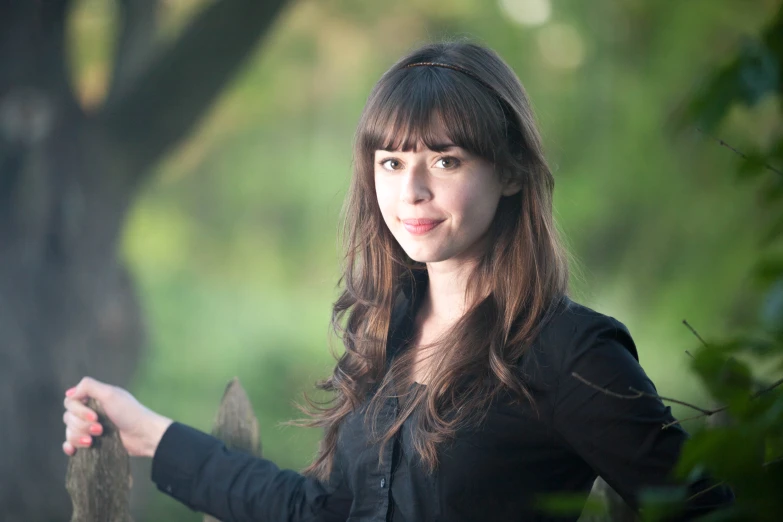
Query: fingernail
x,y
85,440
96,429
70,392
93,416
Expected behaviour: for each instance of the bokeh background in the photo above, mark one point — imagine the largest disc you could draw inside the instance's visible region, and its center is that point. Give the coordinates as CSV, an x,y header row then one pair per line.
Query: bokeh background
x,y
233,244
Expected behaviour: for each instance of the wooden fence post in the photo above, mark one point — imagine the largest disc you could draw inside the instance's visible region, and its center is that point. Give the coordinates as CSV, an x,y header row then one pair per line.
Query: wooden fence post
x,y
236,424
99,479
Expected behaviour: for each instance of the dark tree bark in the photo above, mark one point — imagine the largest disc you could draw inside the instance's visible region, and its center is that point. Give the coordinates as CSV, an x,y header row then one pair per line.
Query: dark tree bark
x,y
67,179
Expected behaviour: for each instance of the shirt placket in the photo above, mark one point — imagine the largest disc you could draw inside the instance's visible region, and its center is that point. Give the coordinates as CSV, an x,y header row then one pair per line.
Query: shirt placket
x,y
391,408
381,481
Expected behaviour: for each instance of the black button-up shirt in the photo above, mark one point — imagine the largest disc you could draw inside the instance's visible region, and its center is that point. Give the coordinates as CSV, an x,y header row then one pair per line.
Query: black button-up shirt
x,y
488,473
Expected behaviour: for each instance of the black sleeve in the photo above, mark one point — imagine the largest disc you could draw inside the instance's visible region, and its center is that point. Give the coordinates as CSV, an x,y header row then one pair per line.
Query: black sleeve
x,y
622,439
198,470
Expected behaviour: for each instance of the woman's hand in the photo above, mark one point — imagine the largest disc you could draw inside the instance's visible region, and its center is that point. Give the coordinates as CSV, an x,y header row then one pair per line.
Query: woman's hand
x,y
140,429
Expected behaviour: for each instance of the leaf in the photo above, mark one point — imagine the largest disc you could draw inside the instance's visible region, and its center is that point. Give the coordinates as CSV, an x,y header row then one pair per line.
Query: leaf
x,y
727,379
773,192
776,150
753,165
752,343
773,414
660,503
713,101
759,73
771,313
731,454
753,74
773,231
769,270
729,514
773,448
569,504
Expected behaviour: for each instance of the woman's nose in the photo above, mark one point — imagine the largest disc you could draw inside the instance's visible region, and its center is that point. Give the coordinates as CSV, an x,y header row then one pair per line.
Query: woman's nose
x,y
416,185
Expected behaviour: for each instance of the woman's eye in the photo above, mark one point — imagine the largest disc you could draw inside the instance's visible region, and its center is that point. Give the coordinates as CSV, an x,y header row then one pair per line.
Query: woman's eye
x,y
390,164
447,163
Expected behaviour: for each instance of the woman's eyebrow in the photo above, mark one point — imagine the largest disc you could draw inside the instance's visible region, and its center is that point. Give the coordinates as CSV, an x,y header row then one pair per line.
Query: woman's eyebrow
x,y
441,147
434,147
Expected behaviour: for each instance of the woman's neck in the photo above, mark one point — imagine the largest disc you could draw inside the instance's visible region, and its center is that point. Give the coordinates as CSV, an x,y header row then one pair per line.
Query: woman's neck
x,y
446,299
443,304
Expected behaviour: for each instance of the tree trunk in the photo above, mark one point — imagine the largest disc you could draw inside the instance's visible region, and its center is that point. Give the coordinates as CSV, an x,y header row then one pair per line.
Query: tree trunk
x,y
67,178
67,306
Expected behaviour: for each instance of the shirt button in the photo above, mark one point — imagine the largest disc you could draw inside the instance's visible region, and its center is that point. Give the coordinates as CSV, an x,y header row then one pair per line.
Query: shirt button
x,y
383,482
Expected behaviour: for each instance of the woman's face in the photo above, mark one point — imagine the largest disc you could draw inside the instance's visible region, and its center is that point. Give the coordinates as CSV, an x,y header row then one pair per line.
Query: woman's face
x,y
438,204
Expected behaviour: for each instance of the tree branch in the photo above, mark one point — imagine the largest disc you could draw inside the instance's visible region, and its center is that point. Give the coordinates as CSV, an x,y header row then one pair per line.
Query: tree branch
x,y
639,394
135,45
176,90
693,330
705,490
739,153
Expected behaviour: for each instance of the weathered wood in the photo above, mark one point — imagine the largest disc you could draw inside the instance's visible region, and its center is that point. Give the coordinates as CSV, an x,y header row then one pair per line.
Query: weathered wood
x,y
236,424
99,479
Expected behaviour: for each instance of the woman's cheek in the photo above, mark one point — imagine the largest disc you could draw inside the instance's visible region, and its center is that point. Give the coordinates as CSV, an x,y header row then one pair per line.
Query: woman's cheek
x,y
385,203
478,205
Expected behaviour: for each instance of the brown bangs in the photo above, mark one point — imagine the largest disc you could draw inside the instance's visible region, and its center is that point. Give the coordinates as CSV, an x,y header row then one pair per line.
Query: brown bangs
x,y
419,105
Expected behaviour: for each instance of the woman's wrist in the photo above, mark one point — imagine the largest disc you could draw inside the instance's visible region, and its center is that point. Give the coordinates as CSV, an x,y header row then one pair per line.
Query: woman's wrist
x,y
157,428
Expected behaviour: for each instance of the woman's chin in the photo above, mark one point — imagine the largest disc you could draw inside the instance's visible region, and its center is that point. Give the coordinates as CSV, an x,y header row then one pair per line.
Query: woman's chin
x,y
423,256
418,255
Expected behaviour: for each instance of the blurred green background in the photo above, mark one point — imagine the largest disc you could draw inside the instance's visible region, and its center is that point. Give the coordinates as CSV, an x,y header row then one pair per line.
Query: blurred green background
x,y
234,242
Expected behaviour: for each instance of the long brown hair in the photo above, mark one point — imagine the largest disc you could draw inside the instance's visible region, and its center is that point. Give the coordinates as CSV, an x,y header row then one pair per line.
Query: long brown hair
x,y
515,285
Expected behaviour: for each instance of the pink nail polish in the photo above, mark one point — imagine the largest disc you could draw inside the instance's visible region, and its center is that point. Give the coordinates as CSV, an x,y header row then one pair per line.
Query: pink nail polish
x,y
95,429
85,440
70,392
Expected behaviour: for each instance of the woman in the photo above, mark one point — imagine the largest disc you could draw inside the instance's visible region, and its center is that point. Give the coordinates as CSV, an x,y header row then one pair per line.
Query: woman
x,y
470,382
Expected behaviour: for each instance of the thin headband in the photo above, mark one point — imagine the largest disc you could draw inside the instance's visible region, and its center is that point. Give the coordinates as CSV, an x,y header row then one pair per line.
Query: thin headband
x,y
453,68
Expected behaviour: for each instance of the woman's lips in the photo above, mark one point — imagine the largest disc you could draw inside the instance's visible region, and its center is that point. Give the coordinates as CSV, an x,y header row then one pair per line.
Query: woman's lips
x,y
420,226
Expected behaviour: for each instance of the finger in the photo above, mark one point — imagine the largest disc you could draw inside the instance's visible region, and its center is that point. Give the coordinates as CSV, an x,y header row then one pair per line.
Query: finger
x,y
80,410
68,449
89,387
77,439
81,426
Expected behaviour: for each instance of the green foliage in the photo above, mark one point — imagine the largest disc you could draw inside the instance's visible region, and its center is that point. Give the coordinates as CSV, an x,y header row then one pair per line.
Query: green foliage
x,y
564,504
727,379
746,453
756,72
659,503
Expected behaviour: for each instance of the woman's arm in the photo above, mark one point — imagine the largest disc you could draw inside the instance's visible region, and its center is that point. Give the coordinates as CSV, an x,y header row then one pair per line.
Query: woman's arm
x,y
197,469
622,439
